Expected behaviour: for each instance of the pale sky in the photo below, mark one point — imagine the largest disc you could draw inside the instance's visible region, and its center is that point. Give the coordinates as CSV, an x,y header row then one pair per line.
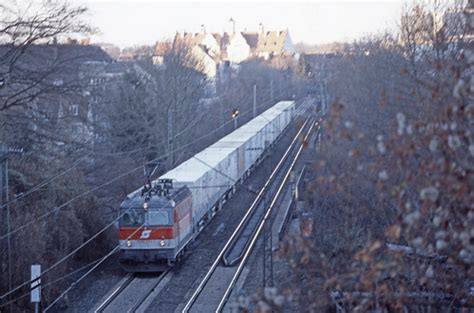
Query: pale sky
x,y
133,22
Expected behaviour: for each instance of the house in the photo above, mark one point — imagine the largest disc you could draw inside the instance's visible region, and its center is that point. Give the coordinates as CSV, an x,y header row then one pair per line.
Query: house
x,y
56,80
217,52
203,46
160,50
274,43
236,47
241,46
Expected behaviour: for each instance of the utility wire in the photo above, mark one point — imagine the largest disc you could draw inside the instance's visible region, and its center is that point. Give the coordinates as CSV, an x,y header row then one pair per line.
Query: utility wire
x,y
105,184
107,226
46,182
114,250
100,231
52,282
89,271
65,257
224,174
78,161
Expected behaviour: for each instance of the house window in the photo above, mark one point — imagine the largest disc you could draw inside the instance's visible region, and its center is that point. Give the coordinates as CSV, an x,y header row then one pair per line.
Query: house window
x,y
74,110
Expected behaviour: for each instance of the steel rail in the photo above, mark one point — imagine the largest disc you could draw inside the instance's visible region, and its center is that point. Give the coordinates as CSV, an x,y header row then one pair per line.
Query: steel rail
x,y
260,227
123,286
137,305
256,217
129,278
242,222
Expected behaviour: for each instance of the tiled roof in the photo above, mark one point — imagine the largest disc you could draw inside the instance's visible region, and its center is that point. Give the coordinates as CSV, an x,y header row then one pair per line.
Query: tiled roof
x,y
270,42
70,57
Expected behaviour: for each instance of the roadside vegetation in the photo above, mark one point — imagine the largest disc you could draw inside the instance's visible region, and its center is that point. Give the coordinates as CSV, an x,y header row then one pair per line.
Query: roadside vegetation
x,y
65,188
390,197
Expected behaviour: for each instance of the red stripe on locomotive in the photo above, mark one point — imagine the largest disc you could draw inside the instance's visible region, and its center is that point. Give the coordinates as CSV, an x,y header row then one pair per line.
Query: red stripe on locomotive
x,y
155,233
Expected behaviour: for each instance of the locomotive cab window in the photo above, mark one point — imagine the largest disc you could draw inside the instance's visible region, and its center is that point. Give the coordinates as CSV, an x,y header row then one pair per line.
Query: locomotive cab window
x,y
157,218
132,218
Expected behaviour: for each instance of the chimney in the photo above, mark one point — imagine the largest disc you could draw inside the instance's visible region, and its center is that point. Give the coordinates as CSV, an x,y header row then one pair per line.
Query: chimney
x,y
261,28
231,20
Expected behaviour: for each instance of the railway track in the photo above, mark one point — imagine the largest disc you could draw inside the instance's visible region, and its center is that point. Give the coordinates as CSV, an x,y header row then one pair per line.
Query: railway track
x,y
133,294
214,289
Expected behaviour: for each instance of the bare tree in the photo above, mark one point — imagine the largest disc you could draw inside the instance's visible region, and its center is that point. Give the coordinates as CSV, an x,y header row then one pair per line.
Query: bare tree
x,y
22,26
182,84
431,35
391,191
154,105
38,76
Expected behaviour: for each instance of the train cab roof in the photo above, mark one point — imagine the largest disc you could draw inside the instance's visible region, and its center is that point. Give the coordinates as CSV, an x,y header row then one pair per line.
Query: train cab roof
x,y
154,202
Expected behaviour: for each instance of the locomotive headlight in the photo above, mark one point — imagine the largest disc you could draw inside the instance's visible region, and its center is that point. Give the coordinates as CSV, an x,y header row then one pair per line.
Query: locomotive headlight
x,y
162,243
129,243
145,205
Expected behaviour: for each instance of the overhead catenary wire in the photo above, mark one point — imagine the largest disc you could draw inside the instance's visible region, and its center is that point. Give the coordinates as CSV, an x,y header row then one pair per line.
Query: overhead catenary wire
x,y
46,181
94,236
109,182
260,226
75,198
53,282
79,196
224,174
80,160
243,220
65,171
49,180
87,273
105,184
114,250
65,257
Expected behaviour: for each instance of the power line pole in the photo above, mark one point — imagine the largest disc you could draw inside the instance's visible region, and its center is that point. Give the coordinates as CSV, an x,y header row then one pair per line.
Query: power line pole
x,y
254,100
3,216
5,211
267,241
271,91
267,255
170,136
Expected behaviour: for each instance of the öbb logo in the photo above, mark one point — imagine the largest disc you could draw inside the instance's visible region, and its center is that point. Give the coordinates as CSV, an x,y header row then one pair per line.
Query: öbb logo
x,y
145,234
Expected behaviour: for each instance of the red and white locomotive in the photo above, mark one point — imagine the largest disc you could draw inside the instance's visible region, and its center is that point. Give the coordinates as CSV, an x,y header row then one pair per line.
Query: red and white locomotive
x,y
159,220
155,227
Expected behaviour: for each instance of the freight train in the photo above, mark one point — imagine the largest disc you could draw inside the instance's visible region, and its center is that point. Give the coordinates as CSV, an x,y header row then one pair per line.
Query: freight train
x,y
160,220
